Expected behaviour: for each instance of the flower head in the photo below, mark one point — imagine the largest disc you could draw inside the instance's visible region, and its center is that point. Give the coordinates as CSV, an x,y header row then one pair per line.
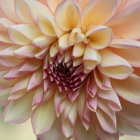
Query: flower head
x,y
72,66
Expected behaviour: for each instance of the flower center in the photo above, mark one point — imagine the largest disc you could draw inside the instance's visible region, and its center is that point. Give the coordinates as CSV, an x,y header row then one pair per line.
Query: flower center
x,y
65,75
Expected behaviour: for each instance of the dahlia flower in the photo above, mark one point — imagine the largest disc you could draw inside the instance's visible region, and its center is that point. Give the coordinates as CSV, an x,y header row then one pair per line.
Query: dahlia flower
x,y
72,66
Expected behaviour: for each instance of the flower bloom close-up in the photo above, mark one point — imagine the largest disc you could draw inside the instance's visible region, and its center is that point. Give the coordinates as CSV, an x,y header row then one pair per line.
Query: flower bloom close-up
x,y
72,66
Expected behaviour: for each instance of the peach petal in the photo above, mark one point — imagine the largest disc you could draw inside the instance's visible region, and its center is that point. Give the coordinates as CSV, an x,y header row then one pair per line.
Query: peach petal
x,y
92,104
53,4
40,55
14,113
94,8
82,3
125,89
105,121
37,8
100,36
66,11
91,58
120,22
22,34
22,11
111,96
5,38
43,117
54,50
114,66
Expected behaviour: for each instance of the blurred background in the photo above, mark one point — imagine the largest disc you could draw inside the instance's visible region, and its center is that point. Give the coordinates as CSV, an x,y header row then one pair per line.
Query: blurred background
x,y
24,132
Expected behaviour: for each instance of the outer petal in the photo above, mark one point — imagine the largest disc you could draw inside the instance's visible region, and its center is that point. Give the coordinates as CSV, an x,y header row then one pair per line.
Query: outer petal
x,y
96,9
67,15
23,34
128,89
114,66
100,37
91,58
123,24
37,9
43,117
22,11
19,110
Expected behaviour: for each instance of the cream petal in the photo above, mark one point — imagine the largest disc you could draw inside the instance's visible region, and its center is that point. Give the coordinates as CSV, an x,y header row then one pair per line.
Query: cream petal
x,y
43,117
53,4
41,55
66,11
82,3
123,24
54,50
18,111
93,10
125,89
91,58
48,26
27,51
22,11
5,23
55,133
127,128
64,42
114,66
4,38
43,41
130,112
38,96
4,96
36,79
21,85
23,33
67,128
37,9
8,8
100,37
78,50
92,104
31,65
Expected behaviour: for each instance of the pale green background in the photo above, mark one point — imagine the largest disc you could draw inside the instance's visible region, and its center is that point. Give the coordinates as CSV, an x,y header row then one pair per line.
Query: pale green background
x,y
24,132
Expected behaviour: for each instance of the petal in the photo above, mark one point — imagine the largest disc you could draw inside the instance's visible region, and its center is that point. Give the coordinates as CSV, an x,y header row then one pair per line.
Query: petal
x,y
23,33
123,24
92,104
98,8
127,128
66,11
54,50
31,65
100,37
36,79
43,41
130,112
91,58
25,51
114,66
131,55
8,8
48,26
64,42
82,3
22,11
19,110
125,89
53,4
78,50
43,117
37,9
